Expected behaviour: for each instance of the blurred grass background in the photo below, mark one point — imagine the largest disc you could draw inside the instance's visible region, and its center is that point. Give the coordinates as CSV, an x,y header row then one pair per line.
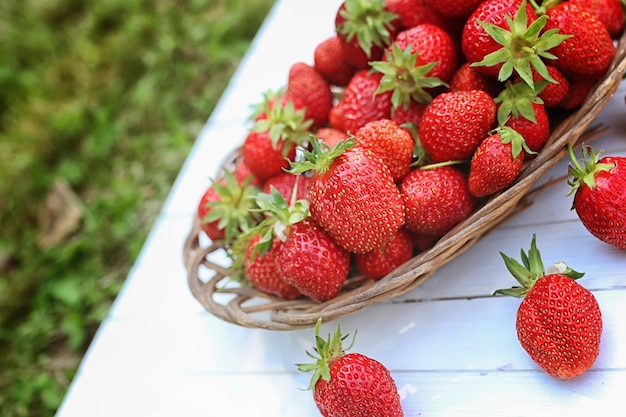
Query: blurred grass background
x,y
101,102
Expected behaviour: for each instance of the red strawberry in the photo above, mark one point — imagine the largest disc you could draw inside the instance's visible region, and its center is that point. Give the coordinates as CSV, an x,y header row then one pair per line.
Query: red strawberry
x,y
391,143
285,183
312,262
590,49
559,322
331,136
361,104
380,262
307,86
262,270
419,61
352,195
279,126
454,124
467,78
521,45
535,133
365,28
415,12
330,62
496,163
350,384
242,173
224,208
609,12
599,188
554,93
436,198
579,89
454,8
412,114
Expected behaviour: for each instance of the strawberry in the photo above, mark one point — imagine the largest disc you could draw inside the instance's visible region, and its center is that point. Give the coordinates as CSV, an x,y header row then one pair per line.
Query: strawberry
x,y
391,143
589,50
496,163
262,270
609,12
454,124
352,195
380,262
350,384
311,261
552,93
360,103
224,208
419,61
331,136
454,8
241,173
579,89
414,12
515,28
285,183
520,109
535,133
308,87
365,28
412,114
436,198
304,256
559,322
330,62
467,78
599,188
503,37
279,125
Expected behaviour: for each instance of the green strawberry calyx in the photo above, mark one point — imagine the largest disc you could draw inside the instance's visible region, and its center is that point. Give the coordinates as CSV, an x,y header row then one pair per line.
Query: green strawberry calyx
x,y
530,270
407,81
524,47
516,100
585,174
279,215
369,21
321,156
509,135
233,208
326,350
282,120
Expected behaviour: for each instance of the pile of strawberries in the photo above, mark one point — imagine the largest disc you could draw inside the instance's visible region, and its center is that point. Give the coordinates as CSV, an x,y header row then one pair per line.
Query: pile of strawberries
x,y
405,122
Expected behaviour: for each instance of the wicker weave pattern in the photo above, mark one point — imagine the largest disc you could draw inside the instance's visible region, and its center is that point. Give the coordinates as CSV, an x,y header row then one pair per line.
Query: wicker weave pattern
x,y
248,307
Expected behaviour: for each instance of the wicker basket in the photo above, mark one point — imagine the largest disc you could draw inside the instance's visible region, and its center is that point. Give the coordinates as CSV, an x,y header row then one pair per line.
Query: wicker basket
x,y
245,306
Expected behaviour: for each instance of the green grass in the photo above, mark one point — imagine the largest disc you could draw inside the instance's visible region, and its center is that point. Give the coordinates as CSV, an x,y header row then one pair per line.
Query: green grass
x,y
106,97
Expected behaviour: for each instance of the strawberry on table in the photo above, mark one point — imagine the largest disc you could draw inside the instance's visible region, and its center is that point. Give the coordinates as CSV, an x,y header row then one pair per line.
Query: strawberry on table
x,y
599,188
352,195
559,322
349,384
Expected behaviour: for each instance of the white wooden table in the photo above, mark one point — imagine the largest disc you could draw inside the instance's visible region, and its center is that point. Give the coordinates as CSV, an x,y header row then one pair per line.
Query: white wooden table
x,y
449,344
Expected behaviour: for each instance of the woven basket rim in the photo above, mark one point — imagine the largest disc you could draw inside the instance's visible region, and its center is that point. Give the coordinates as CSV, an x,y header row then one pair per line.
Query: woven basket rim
x,y
248,307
